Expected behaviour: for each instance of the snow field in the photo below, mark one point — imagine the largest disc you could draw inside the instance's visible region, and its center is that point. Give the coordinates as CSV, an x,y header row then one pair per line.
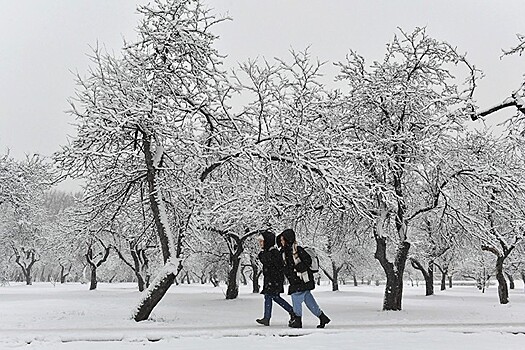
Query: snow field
x,y
196,316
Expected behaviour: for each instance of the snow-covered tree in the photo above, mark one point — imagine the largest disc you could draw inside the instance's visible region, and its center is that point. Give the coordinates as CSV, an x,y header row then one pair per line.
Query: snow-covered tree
x,y
401,110
23,223
495,197
144,116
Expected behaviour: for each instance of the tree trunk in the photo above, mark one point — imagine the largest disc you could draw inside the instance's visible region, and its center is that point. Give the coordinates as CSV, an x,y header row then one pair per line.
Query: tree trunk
x,y
159,289
443,281
236,248
155,197
63,274
154,296
43,274
26,259
449,281
503,291
214,280
140,281
335,279
95,265
355,280
244,280
27,277
394,273
428,275
233,288
93,283
255,276
511,280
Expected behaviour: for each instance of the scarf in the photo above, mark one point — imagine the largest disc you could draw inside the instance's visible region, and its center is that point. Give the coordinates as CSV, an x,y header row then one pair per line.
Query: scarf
x,y
302,275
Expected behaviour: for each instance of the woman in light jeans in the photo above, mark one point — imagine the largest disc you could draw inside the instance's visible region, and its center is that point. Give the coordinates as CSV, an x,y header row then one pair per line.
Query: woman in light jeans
x,y
297,264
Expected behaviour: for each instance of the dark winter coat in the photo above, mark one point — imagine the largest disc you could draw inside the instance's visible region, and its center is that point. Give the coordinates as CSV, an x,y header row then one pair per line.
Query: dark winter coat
x,y
299,275
270,257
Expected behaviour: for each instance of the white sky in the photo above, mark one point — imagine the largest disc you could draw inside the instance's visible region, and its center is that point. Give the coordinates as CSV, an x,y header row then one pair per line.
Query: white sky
x,y
42,42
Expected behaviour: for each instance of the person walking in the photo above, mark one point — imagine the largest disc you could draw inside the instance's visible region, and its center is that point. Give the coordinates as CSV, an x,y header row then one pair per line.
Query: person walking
x,y
297,264
273,277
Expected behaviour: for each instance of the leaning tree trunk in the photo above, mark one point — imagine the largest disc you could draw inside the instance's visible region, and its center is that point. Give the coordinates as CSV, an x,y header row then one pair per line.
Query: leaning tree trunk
x,y
394,273
428,275
158,289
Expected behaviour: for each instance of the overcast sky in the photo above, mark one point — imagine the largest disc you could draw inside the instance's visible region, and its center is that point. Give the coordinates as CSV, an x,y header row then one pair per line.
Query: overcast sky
x,y
42,42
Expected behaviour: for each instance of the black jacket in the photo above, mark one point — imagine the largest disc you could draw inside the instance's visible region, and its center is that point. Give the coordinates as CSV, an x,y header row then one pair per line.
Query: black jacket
x,y
270,257
299,275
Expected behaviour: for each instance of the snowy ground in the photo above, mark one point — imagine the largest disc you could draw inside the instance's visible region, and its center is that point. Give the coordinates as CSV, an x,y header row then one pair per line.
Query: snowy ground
x,y
69,316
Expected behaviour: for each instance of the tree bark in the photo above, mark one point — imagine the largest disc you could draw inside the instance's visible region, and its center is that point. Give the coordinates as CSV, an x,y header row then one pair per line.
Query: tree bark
x,y
93,265
236,248
503,291
64,275
157,292
511,280
334,276
154,297
428,275
394,273
255,275
93,279
444,271
233,288
26,259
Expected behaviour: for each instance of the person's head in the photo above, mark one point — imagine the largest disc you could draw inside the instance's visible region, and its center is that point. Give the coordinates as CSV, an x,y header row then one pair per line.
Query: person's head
x,y
260,241
287,237
266,240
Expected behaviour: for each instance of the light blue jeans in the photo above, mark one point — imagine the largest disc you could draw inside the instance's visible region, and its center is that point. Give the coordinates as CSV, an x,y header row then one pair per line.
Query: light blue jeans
x,y
297,300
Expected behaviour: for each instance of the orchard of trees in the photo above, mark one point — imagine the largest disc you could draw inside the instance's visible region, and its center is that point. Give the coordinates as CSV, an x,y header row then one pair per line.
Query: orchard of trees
x,y
389,175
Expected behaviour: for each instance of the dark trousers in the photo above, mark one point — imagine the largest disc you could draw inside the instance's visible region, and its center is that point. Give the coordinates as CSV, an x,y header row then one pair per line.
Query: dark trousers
x,y
268,301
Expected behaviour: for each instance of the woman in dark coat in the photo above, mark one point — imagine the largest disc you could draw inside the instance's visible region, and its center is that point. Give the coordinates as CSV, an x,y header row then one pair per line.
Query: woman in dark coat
x,y
297,264
272,262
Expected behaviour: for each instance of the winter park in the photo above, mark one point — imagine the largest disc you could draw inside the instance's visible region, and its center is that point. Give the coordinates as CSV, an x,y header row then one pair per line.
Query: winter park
x,y
195,174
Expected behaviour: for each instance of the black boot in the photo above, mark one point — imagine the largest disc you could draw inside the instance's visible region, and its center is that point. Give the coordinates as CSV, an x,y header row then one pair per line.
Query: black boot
x,y
296,323
292,316
323,320
263,321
